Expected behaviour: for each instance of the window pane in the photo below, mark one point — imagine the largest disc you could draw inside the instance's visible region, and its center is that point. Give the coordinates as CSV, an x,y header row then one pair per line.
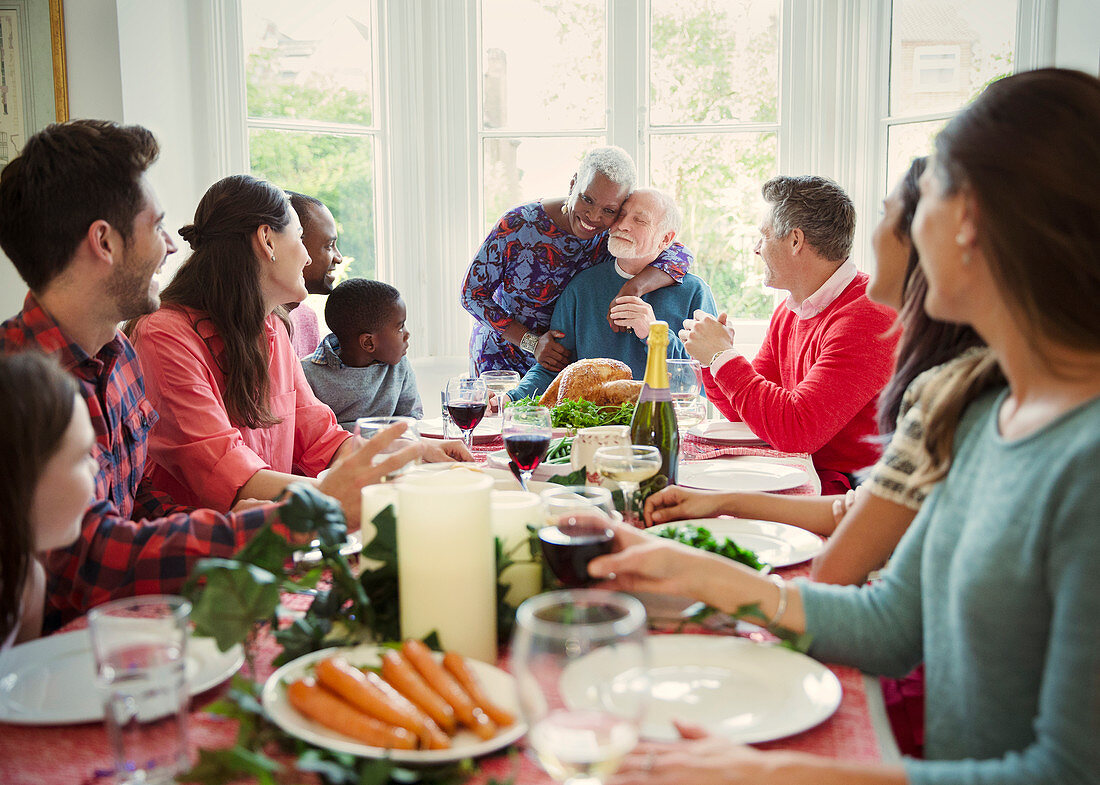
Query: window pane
x,y
524,170
906,142
309,60
543,63
714,61
943,52
716,179
338,170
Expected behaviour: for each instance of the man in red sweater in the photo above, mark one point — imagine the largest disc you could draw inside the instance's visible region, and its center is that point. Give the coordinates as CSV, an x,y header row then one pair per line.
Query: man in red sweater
x,y
814,385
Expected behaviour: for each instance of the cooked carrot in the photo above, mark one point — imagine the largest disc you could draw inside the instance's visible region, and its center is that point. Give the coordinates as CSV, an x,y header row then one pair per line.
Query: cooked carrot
x,y
456,665
328,709
352,685
432,737
403,677
444,684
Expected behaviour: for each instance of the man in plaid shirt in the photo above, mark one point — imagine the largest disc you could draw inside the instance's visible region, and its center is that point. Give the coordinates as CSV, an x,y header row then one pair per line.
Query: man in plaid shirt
x,y
85,231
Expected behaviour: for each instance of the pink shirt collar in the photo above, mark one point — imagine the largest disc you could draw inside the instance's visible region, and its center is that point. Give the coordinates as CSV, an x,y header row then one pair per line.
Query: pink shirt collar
x,y
824,297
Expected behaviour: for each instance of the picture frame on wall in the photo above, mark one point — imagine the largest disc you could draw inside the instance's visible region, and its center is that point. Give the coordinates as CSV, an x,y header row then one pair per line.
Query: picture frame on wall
x,y
33,82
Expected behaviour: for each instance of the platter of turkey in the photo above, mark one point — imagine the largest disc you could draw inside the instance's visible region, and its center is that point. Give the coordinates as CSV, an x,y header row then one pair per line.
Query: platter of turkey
x,y
588,393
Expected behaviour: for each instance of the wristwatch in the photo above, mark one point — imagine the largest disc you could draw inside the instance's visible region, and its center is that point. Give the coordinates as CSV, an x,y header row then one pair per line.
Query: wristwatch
x,y
528,342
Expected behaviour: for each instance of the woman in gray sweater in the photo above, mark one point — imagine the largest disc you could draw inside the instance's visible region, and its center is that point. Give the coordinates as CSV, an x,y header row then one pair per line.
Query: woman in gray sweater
x,y
995,585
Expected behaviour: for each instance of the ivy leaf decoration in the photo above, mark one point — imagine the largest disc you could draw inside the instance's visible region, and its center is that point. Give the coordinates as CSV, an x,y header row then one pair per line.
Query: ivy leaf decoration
x,y
305,509
268,550
235,596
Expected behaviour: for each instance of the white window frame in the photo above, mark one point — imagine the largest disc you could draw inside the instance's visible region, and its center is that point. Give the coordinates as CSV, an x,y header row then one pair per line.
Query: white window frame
x,y
833,121
949,58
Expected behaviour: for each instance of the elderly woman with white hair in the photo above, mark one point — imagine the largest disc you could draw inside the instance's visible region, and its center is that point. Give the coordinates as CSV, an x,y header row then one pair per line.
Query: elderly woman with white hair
x,y
535,249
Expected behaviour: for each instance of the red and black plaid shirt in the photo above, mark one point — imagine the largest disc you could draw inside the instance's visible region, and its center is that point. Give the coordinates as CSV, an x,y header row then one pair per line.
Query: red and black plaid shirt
x,y
117,556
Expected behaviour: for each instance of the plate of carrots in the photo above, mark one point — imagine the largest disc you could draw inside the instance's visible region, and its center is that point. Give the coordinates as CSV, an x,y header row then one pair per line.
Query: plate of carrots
x,y
408,704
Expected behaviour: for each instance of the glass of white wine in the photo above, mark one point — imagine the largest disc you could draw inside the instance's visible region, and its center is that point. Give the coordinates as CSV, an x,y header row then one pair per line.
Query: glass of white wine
x,y
500,383
581,662
628,466
689,412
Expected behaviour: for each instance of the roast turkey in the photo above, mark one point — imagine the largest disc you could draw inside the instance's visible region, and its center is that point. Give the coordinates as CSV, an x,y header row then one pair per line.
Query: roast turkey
x,y
601,380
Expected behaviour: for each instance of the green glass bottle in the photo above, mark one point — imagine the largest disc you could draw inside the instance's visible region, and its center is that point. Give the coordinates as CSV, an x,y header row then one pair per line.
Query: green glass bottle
x,y
654,420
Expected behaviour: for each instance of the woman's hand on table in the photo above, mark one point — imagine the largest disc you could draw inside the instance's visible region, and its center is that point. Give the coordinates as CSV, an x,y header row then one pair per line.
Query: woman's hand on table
x,y
446,451
550,354
677,504
699,759
645,562
352,471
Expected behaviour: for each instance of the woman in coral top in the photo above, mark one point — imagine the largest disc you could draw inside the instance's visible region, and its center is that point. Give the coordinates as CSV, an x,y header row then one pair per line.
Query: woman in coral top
x,y
238,419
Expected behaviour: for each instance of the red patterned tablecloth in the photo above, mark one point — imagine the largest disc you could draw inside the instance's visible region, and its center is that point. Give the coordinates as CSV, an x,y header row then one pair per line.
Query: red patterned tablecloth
x,y
69,754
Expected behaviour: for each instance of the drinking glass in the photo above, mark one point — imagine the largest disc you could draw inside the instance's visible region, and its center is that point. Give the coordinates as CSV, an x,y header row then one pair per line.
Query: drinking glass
x,y
581,663
140,649
565,498
500,383
689,412
685,379
527,432
367,427
466,400
628,466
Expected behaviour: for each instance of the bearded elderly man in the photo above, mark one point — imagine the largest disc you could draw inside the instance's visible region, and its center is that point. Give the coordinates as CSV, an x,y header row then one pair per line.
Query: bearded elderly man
x,y
646,226
814,384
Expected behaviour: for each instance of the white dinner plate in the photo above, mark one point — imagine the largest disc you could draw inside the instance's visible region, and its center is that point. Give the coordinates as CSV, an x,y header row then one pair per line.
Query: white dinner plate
x,y
745,691
51,681
740,474
775,544
486,430
499,686
503,479
725,432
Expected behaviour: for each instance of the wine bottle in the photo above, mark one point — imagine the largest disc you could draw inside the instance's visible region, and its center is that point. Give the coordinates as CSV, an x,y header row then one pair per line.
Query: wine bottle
x,y
654,421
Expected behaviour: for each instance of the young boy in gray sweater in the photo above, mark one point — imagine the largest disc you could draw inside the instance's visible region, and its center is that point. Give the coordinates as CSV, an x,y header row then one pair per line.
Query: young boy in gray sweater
x,y
360,368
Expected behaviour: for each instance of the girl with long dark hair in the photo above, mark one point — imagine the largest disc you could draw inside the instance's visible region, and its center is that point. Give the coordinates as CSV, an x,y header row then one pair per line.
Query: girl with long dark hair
x,y
47,478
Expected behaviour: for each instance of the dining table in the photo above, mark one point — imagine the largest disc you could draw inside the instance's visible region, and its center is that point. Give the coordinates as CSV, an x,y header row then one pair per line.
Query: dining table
x,y
68,754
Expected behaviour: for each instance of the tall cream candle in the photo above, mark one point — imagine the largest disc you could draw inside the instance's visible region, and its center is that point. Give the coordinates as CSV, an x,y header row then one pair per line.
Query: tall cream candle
x,y
446,560
512,512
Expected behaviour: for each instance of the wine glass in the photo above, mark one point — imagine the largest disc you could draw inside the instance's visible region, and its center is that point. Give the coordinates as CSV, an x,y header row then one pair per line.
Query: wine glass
x,y
581,663
527,433
628,466
500,383
689,412
367,427
466,400
574,538
685,379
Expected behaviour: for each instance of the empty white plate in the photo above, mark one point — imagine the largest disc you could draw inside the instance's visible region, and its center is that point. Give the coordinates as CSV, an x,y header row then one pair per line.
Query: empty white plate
x,y
51,681
486,430
725,432
740,474
744,691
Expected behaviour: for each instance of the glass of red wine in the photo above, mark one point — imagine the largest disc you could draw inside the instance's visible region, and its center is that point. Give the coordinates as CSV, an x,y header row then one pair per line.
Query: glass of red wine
x,y
527,431
574,539
466,401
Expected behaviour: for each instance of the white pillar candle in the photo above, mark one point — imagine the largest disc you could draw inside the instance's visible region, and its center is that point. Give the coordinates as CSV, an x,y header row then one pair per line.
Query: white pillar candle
x,y
446,562
513,511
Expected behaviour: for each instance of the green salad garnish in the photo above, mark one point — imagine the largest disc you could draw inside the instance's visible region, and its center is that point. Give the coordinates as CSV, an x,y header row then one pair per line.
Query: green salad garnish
x,y
701,537
584,414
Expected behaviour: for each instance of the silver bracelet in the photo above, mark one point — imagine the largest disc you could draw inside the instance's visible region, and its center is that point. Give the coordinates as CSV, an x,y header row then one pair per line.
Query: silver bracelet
x,y
781,608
